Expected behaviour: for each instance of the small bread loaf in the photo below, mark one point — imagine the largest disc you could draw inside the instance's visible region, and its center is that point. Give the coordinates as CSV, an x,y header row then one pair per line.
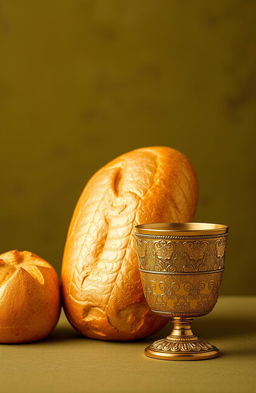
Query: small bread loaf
x,y
102,292
29,297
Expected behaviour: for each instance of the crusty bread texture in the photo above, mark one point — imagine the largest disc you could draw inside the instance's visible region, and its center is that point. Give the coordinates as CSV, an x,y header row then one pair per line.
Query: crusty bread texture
x,y
29,297
102,292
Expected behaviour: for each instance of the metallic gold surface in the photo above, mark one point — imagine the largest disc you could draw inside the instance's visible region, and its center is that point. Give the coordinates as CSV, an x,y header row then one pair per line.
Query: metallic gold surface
x,y
181,229
181,267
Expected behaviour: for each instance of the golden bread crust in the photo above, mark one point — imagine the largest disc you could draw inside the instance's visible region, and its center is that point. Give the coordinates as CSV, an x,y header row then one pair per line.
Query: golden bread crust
x,y
102,292
29,297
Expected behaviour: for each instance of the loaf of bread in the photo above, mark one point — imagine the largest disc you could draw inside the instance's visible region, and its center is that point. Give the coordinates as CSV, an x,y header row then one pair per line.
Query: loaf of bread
x,y
29,297
102,292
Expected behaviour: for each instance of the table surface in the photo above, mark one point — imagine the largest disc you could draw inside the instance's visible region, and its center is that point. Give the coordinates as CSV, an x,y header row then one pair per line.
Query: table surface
x,y
68,363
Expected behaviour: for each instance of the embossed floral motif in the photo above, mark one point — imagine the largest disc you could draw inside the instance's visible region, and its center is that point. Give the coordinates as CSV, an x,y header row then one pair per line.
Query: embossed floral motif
x,y
164,249
205,301
196,249
182,304
163,252
182,346
219,264
141,247
163,266
194,288
171,289
187,296
181,256
214,288
149,292
194,255
142,251
220,247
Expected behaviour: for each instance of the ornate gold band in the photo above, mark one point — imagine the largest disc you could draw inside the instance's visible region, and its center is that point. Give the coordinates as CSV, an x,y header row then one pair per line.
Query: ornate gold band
x,y
169,237
163,273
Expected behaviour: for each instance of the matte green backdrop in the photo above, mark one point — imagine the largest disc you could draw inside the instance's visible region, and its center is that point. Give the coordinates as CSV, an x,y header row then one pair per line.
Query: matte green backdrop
x,y
82,81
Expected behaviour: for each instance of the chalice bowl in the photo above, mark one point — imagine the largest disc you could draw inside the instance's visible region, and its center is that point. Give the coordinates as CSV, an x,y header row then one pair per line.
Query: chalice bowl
x,y
181,267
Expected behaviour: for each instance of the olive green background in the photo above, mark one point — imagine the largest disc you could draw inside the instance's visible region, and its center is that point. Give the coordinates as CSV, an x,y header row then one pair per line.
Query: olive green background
x,y
82,81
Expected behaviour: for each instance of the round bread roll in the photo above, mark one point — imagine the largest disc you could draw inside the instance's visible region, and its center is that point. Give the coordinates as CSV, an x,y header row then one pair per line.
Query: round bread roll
x,y
102,292
29,297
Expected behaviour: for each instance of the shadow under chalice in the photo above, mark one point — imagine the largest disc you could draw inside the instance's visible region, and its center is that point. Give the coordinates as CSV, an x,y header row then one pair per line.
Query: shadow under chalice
x,y
234,336
210,328
221,326
228,329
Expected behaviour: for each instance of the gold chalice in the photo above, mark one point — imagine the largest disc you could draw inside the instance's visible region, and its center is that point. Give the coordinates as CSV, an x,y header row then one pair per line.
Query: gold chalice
x,y
181,267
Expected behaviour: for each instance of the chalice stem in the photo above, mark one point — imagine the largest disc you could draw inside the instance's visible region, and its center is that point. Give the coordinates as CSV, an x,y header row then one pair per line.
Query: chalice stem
x,y
182,330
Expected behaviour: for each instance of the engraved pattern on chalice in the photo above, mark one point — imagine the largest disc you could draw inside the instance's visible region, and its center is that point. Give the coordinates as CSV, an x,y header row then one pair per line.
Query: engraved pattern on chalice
x,y
214,288
181,269
171,289
194,289
141,251
181,346
193,254
220,246
163,250
220,251
181,303
141,248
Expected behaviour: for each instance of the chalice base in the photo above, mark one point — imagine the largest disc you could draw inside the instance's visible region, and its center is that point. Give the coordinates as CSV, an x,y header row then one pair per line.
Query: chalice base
x,y
181,344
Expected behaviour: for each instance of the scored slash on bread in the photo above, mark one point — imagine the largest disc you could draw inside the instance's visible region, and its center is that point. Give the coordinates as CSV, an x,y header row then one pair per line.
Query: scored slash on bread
x,y
102,292
14,260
